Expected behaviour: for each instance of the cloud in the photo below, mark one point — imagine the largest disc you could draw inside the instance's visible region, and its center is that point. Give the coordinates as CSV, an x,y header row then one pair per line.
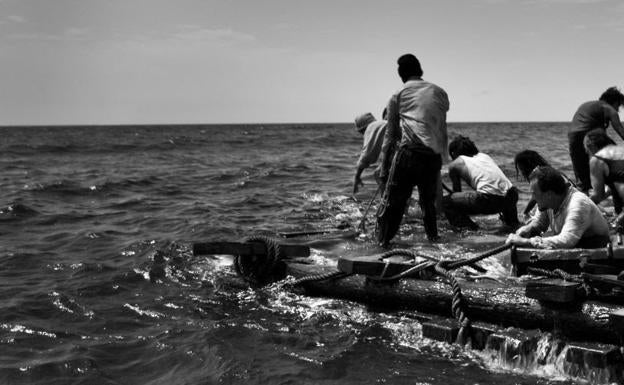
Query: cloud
x,y
225,36
16,19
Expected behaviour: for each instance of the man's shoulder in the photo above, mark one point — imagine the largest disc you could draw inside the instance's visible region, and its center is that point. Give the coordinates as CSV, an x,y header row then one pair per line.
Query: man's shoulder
x,y
580,198
457,163
377,125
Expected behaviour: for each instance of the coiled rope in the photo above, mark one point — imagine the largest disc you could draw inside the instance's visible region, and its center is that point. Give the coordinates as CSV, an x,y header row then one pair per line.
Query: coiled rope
x,y
259,269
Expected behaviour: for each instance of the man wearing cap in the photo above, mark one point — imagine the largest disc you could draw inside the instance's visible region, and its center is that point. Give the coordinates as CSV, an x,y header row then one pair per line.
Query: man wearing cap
x,y
373,131
417,129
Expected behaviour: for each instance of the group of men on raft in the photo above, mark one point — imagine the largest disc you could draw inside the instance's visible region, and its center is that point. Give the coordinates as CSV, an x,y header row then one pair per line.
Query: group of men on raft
x,y
411,144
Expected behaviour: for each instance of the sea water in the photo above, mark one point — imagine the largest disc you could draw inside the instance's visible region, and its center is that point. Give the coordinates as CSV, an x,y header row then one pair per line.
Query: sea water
x,y
84,210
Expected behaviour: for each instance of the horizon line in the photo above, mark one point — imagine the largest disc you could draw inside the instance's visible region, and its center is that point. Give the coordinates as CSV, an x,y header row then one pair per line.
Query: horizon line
x,y
247,123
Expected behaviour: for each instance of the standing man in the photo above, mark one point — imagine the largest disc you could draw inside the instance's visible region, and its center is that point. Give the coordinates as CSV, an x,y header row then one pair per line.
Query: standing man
x,y
373,131
589,116
417,129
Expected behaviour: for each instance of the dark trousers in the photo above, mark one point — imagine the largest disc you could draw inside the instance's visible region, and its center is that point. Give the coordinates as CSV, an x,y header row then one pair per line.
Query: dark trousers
x,y
411,167
580,160
459,205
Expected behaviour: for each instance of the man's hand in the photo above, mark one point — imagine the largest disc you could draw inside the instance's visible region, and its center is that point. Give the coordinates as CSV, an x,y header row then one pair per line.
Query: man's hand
x,y
515,239
357,182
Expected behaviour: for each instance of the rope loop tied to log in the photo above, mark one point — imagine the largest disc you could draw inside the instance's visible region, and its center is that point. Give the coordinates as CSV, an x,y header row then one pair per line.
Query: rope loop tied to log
x,y
258,270
588,288
457,304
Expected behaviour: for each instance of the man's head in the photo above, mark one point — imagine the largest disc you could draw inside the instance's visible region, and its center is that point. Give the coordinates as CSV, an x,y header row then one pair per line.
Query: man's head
x,y
526,161
462,145
548,187
362,121
409,67
596,140
613,97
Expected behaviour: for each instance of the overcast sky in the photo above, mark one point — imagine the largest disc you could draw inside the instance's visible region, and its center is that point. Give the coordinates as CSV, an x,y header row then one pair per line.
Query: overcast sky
x,y
261,61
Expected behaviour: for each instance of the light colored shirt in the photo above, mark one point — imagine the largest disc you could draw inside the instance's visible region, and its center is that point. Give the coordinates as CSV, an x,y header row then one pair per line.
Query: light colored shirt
x,y
577,217
417,112
373,140
485,176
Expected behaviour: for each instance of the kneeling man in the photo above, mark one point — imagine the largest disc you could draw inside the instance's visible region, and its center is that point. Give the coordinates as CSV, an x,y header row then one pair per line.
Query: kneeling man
x,y
574,219
493,192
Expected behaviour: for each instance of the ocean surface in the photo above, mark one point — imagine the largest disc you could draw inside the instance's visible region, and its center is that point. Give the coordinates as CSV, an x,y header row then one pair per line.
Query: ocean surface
x,y
84,211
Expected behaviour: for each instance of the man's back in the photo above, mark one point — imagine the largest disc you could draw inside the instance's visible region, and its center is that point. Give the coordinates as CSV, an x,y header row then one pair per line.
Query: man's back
x,y
484,175
422,108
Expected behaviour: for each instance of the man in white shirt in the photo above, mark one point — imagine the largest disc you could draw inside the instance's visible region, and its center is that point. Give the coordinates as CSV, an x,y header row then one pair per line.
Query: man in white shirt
x,y
493,191
416,129
574,219
373,131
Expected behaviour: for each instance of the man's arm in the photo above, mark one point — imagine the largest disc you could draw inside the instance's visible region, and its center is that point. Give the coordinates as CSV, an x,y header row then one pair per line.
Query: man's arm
x,y
357,181
614,119
526,235
596,173
391,137
577,221
456,173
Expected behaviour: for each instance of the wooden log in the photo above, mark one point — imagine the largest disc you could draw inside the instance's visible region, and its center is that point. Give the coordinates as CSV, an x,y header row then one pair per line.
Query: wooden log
x,y
247,249
501,304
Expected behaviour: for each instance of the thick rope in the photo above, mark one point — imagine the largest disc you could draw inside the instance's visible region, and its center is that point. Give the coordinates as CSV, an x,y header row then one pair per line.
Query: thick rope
x,y
457,305
470,261
316,277
558,273
255,269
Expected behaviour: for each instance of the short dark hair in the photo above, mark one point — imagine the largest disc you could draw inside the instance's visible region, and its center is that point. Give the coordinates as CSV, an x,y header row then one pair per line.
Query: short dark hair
x,y
549,179
409,66
526,161
612,96
595,140
462,145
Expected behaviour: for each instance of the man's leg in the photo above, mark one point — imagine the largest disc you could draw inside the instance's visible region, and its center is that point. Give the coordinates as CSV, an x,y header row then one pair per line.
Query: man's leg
x,y
427,173
398,192
458,205
580,160
510,210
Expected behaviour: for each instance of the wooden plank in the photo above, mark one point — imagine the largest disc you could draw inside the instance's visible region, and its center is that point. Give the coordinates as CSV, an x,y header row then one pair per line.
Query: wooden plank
x,y
534,255
552,290
609,279
528,255
252,248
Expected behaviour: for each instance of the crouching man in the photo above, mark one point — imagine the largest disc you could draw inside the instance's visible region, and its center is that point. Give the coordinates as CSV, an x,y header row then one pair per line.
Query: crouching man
x,y
574,219
493,192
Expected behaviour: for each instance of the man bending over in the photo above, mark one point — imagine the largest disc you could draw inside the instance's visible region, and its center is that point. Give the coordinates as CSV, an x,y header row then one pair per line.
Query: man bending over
x,y
574,219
